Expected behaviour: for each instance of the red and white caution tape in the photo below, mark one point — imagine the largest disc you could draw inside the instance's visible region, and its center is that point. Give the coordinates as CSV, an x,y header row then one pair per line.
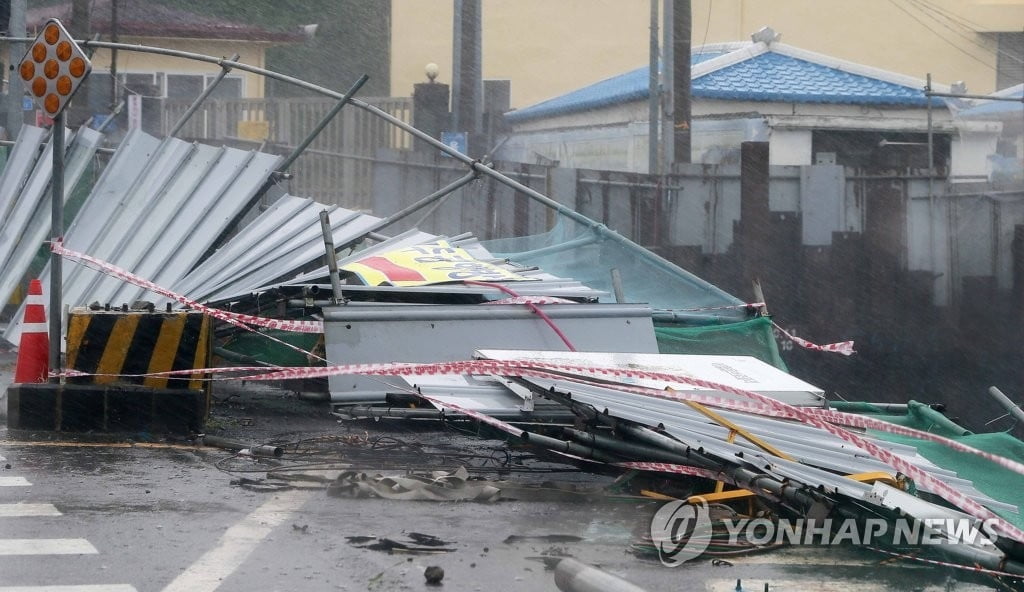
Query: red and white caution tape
x,y
661,467
510,368
907,468
860,421
831,416
533,368
72,373
843,347
536,310
530,368
481,417
115,271
532,300
239,320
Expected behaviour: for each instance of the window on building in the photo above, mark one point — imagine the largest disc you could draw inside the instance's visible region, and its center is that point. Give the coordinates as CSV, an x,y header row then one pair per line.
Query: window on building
x,y
229,88
190,86
1010,59
184,86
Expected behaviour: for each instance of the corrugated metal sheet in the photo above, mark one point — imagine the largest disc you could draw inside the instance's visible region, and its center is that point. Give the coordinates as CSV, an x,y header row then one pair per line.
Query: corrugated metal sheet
x,y
543,284
155,211
819,457
810,446
277,245
25,197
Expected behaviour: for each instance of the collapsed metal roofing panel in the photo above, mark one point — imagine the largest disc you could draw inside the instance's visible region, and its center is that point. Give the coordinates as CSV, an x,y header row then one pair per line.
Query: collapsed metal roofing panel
x,y
544,283
742,372
221,193
25,197
155,211
20,160
243,246
273,247
160,216
819,453
117,224
820,457
406,239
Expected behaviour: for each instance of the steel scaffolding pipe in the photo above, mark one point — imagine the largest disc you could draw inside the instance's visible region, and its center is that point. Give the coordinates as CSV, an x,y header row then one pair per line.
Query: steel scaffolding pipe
x,y
475,165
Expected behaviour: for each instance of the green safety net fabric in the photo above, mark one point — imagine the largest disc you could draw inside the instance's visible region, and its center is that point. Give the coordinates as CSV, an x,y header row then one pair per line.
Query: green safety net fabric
x,y
588,255
753,337
693,316
918,416
991,479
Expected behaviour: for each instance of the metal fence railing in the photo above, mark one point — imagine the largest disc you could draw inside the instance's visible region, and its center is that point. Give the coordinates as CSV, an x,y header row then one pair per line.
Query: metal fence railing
x,y
336,168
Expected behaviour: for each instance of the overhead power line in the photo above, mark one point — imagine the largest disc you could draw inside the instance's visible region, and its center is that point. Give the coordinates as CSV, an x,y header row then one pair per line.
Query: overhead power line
x,y
972,36
913,16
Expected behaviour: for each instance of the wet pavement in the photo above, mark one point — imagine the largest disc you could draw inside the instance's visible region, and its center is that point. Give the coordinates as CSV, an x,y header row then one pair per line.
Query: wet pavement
x,y
163,515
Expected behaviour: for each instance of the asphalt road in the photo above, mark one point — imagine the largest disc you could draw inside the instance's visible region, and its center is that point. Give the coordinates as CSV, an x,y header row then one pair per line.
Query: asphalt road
x,y
81,516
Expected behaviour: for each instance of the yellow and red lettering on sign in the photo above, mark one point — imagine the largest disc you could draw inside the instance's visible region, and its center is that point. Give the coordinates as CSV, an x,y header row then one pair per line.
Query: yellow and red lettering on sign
x,y
431,263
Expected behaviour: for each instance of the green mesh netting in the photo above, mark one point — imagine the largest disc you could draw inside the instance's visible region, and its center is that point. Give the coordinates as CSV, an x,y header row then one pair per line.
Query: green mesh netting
x,y
704,318
918,416
991,479
589,254
744,338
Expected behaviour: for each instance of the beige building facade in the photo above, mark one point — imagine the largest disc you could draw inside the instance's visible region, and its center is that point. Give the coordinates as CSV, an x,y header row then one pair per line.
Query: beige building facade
x,y
550,47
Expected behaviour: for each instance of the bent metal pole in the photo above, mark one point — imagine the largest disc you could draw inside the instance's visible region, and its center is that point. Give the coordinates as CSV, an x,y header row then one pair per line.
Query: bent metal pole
x,y
474,164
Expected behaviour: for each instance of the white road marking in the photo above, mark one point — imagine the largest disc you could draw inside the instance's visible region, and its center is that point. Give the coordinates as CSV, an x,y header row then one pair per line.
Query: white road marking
x,y
46,547
85,588
210,570
14,482
20,510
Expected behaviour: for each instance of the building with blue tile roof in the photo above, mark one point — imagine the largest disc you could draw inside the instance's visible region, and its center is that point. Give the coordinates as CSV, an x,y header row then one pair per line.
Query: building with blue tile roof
x,y
809,107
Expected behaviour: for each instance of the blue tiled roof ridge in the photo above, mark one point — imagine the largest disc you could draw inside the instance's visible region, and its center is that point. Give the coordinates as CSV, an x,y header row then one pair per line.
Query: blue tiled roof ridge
x,y
752,72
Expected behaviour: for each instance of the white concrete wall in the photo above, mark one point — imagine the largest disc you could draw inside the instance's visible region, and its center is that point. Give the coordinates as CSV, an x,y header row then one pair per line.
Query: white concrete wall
x,y
790,147
970,156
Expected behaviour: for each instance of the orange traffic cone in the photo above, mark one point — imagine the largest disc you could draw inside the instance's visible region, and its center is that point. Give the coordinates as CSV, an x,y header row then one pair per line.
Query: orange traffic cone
x,y
34,349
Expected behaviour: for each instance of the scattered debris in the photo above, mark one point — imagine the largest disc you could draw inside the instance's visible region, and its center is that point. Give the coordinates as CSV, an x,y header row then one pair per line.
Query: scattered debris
x,y
434,574
546,538
417,545
241,447
428,540
434,486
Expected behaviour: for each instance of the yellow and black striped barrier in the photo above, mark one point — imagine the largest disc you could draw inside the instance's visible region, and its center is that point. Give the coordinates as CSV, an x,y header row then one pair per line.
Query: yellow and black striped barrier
x,y
111,346
114,344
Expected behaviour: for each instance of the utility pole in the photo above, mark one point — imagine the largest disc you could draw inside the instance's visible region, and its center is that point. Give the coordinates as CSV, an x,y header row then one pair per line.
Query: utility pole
x,y
668,112
114,38
653,95
15,51
467,75
682,25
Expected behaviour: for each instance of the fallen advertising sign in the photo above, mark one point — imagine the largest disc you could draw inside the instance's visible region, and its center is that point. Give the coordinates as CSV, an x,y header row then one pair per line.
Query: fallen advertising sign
x,y
431,263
